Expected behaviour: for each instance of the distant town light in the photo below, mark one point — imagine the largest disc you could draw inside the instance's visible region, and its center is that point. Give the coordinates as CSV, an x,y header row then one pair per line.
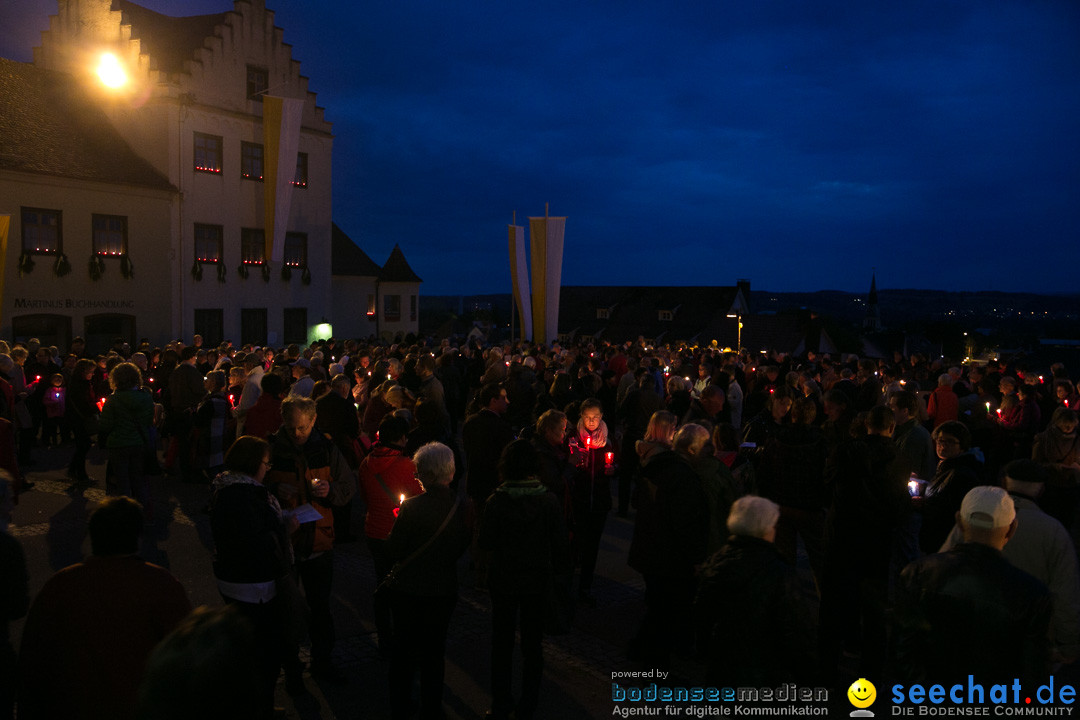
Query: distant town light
x,y
110,71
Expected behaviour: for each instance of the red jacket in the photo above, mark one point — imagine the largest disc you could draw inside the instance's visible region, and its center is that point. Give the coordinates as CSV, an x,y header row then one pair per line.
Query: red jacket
x,y
398,474
264,417
944,405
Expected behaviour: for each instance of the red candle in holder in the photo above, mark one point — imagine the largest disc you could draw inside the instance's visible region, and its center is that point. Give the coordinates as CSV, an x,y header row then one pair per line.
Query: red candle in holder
x,y
101,404
609,459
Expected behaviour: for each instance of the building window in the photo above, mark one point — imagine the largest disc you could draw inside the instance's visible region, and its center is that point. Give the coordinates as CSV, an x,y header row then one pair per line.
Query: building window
x,y
208,153
210,323
252,326
296,250
110,235
300,177
371,304
258,80
251,161
252,246
41,231
412,307
666,315
208,244
295,325
602,313
391,308
49,329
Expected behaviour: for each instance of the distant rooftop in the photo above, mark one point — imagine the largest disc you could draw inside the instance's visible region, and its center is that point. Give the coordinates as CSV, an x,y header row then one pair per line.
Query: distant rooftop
x,y
397,268
49,127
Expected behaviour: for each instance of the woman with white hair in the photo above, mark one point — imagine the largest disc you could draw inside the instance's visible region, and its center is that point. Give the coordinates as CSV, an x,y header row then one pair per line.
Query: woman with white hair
x,y
751,617
430,534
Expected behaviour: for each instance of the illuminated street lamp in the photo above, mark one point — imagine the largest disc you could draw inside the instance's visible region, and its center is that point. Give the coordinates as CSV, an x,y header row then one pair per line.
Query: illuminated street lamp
x,y
738,341
111,71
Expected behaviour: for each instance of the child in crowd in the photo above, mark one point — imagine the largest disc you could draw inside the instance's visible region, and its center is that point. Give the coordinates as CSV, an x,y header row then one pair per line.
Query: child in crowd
x,y
54,399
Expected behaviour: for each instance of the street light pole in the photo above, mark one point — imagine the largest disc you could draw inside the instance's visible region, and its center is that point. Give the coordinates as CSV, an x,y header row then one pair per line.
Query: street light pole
x,y
738,320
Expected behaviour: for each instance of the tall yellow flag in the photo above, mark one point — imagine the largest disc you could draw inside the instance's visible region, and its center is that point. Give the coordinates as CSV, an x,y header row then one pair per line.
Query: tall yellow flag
x,y
546,243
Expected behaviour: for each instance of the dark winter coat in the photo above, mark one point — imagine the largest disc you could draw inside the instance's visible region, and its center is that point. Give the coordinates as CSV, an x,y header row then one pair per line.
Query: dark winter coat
x,y
524,530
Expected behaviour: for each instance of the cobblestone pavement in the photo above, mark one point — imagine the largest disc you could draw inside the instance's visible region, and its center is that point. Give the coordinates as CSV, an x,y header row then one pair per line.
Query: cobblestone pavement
x,y
50,522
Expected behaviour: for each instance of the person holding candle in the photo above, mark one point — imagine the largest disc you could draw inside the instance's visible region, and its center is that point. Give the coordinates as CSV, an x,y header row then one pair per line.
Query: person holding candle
x,y
961,468
307,469
385,475
591,488
430,534
1066,394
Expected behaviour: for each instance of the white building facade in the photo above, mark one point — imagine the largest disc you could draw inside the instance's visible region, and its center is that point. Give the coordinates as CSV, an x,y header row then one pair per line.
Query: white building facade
x,y
173,241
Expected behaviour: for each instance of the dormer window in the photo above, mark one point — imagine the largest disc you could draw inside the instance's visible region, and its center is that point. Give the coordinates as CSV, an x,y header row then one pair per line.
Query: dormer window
x,y
602,313
258,80
666,315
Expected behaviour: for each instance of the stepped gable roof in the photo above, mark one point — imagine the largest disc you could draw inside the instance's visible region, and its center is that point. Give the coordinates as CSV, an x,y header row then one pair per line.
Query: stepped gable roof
x,y
49,126
397,268
170,41
634,311
346,257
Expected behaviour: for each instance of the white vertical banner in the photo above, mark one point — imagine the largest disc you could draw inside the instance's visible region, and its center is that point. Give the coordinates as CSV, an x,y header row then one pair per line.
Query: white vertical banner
x,y
546,240
282,118
519,276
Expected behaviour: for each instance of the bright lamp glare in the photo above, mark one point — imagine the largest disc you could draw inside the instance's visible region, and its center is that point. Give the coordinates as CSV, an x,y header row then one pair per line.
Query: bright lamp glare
x,y
111,71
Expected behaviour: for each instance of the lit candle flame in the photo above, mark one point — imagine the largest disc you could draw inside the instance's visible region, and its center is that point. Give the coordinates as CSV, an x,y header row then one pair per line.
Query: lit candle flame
x,y
401,498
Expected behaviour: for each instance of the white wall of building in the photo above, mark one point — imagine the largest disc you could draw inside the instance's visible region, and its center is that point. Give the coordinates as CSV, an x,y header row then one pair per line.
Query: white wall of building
x,y
146,295
159,114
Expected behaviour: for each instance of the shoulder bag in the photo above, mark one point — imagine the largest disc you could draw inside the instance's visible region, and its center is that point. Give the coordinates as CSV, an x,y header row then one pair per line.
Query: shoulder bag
x,y
386,587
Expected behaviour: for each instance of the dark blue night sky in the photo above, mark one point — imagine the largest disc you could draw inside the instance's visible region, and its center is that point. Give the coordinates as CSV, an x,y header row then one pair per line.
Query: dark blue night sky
x,y
794,143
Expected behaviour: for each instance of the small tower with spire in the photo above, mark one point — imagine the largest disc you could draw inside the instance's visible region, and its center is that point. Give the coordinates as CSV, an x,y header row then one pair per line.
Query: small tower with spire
x,y
872,321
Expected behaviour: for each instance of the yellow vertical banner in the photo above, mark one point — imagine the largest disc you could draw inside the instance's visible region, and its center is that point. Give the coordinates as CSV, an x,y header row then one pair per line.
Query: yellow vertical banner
x,y
5,225
546,242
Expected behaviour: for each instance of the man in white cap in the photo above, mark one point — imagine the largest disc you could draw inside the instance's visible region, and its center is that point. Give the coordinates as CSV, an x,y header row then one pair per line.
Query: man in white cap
x,y
968,611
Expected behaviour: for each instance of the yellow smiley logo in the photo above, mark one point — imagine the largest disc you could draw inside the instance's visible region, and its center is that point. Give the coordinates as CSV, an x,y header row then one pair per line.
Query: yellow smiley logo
x,y
862,693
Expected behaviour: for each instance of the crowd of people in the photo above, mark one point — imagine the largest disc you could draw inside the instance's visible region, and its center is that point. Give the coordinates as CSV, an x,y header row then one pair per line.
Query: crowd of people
x,y
893,478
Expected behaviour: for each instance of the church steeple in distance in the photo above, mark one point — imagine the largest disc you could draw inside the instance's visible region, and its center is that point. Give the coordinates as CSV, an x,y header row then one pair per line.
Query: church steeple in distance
x,y
872,321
